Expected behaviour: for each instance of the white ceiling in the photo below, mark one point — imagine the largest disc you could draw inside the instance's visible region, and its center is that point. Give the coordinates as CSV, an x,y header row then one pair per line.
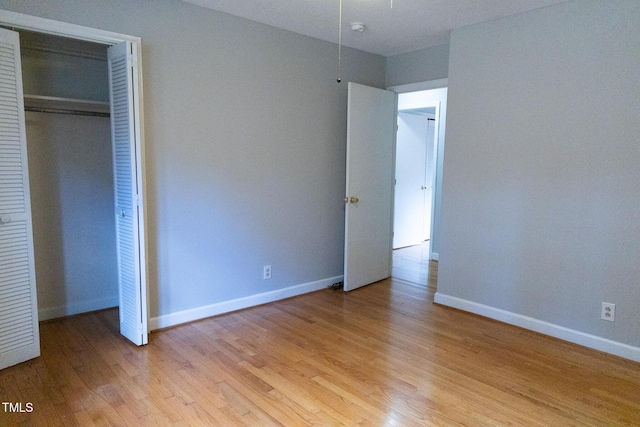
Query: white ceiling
x,y
407,26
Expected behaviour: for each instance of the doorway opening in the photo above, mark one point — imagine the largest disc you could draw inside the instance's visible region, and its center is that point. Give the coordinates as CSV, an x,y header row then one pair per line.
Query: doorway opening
x,y
418,176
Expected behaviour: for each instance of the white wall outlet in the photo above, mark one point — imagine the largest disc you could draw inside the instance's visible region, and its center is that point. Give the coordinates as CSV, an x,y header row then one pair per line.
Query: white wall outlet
x,y
608,311
266,272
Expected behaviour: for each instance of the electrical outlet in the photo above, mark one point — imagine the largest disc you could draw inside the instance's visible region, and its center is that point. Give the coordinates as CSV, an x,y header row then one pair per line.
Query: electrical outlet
x,y
266,272
608,311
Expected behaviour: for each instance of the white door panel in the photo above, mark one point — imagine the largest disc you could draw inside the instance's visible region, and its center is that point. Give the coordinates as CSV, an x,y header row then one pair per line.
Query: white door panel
x,y
409,202
430,171
128,195
368,221
19,333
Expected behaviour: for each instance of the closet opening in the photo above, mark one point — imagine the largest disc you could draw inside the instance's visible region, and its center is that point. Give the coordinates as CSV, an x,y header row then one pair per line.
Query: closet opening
x,y
68,131
53,114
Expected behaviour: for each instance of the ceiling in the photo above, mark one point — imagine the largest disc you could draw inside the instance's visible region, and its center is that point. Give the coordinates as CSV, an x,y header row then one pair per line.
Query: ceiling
x,y
407,26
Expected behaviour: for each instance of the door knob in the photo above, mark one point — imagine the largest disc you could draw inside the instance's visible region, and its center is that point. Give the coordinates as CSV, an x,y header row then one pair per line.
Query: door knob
x,y
422,187
5,219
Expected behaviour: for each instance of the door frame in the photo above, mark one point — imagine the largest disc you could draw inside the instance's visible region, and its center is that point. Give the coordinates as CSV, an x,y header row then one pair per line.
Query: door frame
x,y
437,191
57,28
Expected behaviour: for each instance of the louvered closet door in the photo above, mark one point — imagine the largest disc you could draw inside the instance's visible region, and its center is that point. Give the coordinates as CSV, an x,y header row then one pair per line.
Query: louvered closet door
x,y
19,335
122,80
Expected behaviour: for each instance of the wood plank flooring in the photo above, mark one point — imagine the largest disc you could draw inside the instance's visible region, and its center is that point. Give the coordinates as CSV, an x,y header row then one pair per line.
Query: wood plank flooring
x,y
412,265
382,355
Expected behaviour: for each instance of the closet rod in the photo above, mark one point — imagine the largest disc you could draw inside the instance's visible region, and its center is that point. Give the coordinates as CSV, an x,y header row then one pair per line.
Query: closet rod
x,y
66,111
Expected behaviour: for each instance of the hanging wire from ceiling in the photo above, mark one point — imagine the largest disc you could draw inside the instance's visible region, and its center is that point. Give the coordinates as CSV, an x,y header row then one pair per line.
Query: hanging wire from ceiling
x,y
340,44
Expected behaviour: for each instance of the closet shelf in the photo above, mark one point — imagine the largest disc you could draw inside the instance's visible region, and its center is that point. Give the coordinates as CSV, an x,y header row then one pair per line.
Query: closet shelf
x,y
64,105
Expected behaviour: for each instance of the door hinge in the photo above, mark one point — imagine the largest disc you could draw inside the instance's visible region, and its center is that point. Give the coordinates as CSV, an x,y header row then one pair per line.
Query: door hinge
x,y
132,58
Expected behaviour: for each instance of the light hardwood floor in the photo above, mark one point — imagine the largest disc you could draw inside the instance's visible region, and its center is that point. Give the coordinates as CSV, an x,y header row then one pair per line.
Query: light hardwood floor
x,y
412,264
382,355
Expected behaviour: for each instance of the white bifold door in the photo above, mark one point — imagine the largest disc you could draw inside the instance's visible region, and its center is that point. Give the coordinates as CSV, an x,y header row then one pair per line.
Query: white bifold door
x,y
19,333
371,124
125,134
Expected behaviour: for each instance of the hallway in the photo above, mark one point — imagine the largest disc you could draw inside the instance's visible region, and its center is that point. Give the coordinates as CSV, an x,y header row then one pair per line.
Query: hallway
x,y
412,265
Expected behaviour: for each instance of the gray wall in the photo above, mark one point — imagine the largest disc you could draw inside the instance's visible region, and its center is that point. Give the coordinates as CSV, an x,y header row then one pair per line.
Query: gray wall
x,y
245,147
541,208
71,184
419,66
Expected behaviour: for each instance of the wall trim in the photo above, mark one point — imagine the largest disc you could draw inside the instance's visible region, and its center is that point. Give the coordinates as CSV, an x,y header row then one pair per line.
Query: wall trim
x,y
435,256
77,308
63,29
587,340
203,312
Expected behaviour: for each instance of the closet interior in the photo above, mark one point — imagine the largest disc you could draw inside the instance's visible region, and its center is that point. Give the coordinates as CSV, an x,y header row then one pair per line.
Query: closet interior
x,y
66,98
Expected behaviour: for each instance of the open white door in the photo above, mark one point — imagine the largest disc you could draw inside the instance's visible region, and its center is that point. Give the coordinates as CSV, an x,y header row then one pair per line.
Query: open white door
x,y
123,75
371,119
411,160
19,333
429,178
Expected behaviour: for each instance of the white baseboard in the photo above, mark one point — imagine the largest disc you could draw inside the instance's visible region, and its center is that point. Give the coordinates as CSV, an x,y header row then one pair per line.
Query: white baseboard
x,y
198,313
571,335
47,313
